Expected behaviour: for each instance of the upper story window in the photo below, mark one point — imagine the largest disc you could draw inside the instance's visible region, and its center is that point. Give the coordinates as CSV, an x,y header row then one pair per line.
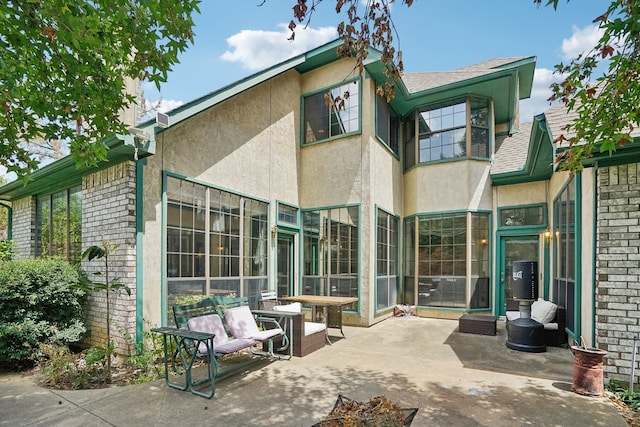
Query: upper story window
x,y
331,113
457,130
387,124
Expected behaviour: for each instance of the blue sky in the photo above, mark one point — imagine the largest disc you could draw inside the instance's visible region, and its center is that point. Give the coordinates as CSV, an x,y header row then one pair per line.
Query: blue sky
x,y
237,39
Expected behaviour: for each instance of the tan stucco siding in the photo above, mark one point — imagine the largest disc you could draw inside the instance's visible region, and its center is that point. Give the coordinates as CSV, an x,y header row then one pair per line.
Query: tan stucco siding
x,y
449,186
520,194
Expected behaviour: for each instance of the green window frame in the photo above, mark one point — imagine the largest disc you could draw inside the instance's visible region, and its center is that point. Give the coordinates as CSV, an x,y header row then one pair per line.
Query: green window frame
x,y
216,242
331,251
438,268
386,260
59,224
456,130
564,251
331,113
522,216
387,125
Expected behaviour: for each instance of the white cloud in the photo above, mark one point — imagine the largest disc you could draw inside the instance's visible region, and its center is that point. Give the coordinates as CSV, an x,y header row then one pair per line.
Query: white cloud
x,y
161,105
258,49
540,93
582,40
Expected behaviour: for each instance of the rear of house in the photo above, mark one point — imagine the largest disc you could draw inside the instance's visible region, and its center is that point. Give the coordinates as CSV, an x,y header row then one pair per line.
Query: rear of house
x,y
303,180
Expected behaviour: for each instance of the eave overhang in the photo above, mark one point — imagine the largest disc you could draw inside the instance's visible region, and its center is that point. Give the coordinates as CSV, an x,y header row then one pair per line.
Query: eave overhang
x,y
540,158
64,173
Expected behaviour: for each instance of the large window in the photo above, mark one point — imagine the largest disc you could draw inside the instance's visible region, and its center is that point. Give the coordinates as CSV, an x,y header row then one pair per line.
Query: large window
x,y
331,113
216,242
387,124
386,260
59,225
457,130
330,252
564,251
447,259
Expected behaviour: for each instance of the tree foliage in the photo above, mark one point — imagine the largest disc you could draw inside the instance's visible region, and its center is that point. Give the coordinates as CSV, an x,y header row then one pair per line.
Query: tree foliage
x,y
64,66
606,108
368,25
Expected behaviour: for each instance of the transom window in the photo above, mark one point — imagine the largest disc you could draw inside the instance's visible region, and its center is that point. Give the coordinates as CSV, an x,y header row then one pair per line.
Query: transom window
x,y
522,216
287,215
331,113
458,130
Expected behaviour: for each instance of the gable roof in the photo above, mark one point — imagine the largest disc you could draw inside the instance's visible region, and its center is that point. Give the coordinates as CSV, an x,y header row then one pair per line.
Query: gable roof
x,y
505,80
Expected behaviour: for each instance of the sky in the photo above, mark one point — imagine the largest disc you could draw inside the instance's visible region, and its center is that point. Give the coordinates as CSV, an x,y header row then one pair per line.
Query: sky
x,y
236,39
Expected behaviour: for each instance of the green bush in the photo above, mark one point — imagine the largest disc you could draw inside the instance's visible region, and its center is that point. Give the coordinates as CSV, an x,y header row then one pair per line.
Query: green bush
x,y
40,302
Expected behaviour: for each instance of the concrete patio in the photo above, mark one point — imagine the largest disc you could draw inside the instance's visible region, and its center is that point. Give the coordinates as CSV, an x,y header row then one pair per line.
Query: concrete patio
x,y
455,379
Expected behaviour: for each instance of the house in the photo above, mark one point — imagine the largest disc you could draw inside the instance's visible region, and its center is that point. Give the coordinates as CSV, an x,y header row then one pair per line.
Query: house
x,y
301,179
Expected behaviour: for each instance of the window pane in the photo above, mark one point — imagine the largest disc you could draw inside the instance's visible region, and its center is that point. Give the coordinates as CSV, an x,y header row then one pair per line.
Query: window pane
x,y
332,113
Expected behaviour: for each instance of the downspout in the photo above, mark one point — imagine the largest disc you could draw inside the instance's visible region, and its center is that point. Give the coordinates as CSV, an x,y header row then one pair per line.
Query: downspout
x,y
594,289
577,252
139,252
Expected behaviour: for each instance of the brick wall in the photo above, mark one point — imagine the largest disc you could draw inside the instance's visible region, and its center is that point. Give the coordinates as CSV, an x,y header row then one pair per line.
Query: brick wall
x,y
618,266
108,212
23,228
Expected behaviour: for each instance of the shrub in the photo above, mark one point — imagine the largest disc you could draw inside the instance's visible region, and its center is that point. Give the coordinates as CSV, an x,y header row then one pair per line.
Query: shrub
x,y
40,301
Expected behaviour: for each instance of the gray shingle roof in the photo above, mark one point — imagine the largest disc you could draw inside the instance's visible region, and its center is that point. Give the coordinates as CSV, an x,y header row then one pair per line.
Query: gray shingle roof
x,y
417,82
512,151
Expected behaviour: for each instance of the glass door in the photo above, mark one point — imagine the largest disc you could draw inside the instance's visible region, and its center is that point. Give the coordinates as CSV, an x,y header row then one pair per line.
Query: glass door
x,y
285,262
514,248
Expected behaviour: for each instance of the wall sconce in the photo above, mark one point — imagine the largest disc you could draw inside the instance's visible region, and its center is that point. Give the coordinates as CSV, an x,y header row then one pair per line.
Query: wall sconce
x,y
548,234
274,231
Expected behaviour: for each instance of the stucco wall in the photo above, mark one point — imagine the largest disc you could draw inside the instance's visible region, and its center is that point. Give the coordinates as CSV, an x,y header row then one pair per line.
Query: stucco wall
x,y
448,186
618,266
249,144
108,212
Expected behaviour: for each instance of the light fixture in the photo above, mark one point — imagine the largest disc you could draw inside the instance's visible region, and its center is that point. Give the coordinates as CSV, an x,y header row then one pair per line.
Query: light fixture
x,y
548,234
274,231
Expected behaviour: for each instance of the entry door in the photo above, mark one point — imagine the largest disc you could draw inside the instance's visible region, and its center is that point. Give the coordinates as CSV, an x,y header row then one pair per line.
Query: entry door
x,y
285,260
520,248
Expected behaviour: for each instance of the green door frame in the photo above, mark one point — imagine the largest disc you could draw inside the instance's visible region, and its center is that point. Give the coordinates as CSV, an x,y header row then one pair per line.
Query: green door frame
x,y
502,236
290,239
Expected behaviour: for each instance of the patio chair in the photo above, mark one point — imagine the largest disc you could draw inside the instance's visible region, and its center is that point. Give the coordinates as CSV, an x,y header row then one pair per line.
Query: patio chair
x,y
243,324
268,300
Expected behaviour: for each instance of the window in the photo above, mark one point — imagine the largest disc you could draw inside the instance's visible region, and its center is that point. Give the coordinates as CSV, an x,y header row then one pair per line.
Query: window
x,y
216,242
387,124
436,251
287,215
522,216
386,260
564,251
330,252
332,113
457,130
59,225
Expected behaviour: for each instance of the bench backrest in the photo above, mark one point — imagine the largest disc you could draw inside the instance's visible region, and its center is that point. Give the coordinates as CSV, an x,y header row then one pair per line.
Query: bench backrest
x,y
209,305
